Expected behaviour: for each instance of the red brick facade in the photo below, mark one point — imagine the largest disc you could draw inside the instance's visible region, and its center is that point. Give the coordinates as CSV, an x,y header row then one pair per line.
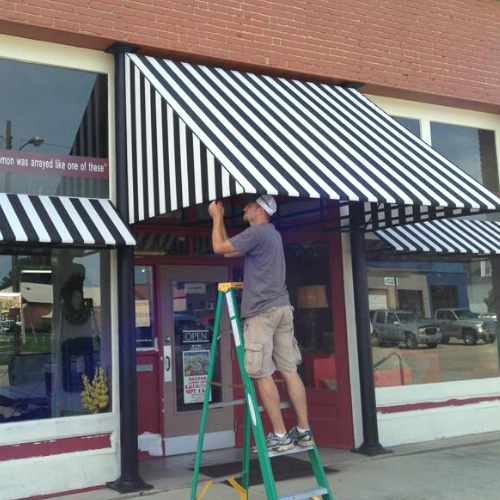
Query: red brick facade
x,y
432,50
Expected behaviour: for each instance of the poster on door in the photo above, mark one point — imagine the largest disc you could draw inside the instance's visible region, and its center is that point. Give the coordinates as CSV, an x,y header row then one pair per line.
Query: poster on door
x,y
195,368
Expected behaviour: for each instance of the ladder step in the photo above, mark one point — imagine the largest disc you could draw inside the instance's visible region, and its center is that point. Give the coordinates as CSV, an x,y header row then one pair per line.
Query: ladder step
x,y
302,495
224,404
283,404
292,451
236,402
221,479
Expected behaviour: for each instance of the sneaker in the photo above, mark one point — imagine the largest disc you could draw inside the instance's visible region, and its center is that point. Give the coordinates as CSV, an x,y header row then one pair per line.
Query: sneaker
x,y
304,439
275,443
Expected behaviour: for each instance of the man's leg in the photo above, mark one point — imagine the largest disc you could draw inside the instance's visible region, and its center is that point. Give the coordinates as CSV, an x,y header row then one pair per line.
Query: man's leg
x,y
271,400
297,393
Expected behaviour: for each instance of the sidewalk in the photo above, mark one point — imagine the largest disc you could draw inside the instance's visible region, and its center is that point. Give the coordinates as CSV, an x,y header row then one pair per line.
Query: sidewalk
x,y
453,469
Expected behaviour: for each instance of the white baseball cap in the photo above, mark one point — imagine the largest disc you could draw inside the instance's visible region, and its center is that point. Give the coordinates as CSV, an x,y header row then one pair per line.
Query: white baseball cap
x,y
268,203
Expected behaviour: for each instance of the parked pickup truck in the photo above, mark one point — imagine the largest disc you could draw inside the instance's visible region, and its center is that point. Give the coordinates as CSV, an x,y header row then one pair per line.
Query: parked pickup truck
x,y
403,328
465,325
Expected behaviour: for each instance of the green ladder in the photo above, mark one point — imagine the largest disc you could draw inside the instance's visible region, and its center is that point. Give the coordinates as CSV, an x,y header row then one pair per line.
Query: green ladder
x,y
252,419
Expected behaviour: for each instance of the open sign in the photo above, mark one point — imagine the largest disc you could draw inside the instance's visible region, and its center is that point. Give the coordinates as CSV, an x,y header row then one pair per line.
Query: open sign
x,y
195,336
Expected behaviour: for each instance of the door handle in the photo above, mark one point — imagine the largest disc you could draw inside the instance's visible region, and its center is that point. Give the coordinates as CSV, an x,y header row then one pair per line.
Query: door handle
x,y
167,363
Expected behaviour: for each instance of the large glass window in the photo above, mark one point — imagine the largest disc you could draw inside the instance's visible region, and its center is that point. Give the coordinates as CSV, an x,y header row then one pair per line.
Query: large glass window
x,y
55,346
472,149
411,124
308,280
53,131
432,322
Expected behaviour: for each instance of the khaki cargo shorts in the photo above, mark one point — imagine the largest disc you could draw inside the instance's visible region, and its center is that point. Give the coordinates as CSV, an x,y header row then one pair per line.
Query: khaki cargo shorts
x,y
270,344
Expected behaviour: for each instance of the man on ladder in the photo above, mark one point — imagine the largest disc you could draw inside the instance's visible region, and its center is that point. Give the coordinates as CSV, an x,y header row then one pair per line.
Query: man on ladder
x,y
270,343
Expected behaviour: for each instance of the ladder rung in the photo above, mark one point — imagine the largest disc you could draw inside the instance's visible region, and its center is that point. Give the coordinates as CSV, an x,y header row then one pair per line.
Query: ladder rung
x,y
224,404
283,404
301,495
292,451
223,384
221,479
236,402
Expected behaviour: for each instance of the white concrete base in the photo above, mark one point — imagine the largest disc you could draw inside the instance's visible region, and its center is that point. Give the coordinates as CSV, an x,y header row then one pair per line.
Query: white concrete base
x,y
437,423
57,474
187,444
150,443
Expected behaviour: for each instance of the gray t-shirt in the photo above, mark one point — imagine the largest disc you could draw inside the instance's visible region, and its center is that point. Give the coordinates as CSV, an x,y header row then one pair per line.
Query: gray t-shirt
x,y
265,270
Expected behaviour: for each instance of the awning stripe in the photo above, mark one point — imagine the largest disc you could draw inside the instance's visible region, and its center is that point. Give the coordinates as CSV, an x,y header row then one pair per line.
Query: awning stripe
x,y
332,138
41,232
61,220
286,151
197,122
369,140
430,157
453,236
410,168
228,132
217,107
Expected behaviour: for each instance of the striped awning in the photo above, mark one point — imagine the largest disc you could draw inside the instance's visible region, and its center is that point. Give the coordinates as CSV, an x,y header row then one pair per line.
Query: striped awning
x,y
61,220
196,133
446,236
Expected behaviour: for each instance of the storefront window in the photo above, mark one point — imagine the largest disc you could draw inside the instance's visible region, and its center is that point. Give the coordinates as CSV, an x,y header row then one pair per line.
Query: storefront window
x,y
144,307
411,124
308,280
472,149
55,346
54,137
432,322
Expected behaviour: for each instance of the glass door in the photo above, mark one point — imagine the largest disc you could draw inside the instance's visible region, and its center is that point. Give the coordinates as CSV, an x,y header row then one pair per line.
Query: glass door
x,y
188,303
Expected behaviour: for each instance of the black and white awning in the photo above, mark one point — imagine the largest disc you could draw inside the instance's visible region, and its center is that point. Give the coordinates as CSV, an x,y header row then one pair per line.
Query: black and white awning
x,y
445,236
196,133
61,220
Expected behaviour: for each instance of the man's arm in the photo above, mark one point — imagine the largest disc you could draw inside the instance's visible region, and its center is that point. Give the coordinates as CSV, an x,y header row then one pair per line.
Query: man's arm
x,y
220,242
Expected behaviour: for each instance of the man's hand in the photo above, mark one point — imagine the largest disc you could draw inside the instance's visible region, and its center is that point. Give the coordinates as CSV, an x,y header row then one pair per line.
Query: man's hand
x,y
216,209
220,242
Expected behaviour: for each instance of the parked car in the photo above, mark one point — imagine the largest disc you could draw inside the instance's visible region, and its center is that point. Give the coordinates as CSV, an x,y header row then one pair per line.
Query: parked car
x,y
7,326
465,325
403,328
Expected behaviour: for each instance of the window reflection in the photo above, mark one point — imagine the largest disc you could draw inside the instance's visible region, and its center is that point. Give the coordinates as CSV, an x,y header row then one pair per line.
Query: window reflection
x,y
144,307
432,322
411,124
194,316
67,109
54,335
472,149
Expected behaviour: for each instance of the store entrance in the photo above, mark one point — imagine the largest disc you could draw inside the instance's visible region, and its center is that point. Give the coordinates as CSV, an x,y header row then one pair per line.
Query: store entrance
x,y
188,296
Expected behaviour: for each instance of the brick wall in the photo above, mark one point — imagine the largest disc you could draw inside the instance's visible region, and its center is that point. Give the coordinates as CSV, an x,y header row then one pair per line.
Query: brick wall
x,y
447,48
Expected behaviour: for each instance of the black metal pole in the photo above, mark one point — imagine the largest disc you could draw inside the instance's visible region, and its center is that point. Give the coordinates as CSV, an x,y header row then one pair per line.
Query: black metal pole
x,y
129,480
371,445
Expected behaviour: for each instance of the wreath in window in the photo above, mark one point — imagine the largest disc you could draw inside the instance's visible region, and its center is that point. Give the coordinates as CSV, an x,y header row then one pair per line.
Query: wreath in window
x,y
75,309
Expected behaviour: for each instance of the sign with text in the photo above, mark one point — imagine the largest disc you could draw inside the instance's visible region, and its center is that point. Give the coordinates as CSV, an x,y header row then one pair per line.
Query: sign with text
x,y
196,288
195,368
390,281
195,336
19,162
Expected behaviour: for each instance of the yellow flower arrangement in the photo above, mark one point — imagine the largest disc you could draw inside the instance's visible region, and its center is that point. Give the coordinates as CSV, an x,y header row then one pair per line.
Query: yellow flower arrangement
x,y
95,394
